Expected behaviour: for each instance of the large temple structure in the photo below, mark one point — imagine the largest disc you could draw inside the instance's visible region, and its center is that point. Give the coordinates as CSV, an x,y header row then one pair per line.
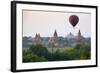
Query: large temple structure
x,y
37,39
79,36
53,39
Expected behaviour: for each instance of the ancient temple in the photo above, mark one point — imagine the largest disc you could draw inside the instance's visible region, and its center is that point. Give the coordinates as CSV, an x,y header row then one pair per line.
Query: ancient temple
x,y
78,37
55,34
53,39
37,39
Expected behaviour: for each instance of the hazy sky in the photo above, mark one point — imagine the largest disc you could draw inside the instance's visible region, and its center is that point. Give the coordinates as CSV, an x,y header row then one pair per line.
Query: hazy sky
x,y
46,22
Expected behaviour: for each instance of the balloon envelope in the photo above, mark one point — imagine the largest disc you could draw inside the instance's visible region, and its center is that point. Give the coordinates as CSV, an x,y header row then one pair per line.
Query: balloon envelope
x,y
73,19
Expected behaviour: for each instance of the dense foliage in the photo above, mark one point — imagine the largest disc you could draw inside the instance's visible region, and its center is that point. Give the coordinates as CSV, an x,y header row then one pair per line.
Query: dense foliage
x,y
39,53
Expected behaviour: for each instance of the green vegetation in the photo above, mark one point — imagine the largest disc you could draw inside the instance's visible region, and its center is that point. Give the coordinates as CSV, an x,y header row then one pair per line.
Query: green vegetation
x,y
39,53
84,50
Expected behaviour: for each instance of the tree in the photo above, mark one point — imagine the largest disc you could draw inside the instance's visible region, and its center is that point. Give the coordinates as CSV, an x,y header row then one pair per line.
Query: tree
x,y
28,56
39,50
84,50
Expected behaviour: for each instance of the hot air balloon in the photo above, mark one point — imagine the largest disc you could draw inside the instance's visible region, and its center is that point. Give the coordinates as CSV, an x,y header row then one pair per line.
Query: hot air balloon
x,y
73,19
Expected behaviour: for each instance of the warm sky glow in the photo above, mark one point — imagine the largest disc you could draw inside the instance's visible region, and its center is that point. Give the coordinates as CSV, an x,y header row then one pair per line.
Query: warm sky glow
x,y
45,23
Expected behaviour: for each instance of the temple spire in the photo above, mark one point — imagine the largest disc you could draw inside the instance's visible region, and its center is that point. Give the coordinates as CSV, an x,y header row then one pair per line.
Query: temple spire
x,y
79,35
55,34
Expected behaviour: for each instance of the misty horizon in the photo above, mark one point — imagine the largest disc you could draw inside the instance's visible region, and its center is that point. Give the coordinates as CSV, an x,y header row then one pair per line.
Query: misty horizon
x,y
58,35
